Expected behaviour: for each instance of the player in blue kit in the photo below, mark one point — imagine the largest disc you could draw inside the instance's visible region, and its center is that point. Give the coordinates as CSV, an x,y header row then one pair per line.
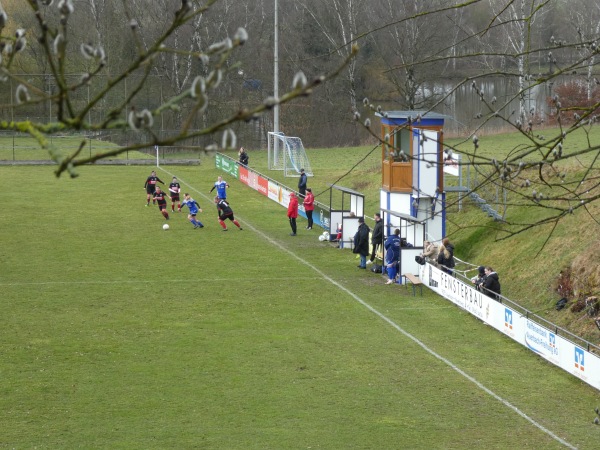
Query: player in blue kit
x,y
221,187
194,208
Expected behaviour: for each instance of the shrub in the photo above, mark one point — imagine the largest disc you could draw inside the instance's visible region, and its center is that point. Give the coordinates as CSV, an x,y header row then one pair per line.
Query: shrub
x,y
573,99
578,306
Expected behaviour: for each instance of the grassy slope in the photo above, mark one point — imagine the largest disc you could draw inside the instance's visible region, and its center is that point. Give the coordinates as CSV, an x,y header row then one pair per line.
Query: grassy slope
x,y
529,263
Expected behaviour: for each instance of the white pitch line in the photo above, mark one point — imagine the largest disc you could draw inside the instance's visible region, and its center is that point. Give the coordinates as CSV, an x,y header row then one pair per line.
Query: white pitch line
x,y
420,343
404,332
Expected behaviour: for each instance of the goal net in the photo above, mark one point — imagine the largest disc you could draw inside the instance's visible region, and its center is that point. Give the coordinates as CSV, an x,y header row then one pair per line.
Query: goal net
x,y
287,153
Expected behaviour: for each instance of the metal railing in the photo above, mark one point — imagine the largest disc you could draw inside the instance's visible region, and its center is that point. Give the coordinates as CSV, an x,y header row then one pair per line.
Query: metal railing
x,y
524,312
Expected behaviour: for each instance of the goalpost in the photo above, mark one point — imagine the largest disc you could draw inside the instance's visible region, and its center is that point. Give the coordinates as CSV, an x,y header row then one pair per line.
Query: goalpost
x,y
287,153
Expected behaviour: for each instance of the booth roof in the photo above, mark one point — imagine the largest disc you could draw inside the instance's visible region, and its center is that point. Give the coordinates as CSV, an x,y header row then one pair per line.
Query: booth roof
x,y
406,114
406,217
344,189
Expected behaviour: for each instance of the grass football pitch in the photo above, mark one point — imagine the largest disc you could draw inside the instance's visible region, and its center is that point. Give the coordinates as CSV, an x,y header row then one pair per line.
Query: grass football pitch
x,y
117,334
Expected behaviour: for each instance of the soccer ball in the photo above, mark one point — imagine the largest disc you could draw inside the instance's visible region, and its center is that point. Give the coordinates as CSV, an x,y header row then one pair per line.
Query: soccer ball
x,y
324,236
166,226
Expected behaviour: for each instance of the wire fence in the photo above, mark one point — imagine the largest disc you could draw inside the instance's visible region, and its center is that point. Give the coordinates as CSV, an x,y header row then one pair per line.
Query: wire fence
x,y
20,148
43,109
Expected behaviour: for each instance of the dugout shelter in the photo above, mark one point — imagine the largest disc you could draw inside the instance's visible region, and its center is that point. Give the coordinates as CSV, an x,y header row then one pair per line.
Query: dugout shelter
x,y
345,206
413,231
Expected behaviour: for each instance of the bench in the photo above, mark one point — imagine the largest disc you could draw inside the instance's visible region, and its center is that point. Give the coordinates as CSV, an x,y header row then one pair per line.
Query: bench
x,y
414,281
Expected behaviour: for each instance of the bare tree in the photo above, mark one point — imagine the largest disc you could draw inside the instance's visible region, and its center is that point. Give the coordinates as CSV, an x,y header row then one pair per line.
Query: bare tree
x,y
516,20
585,18
62,48
413,38
337,21
540,170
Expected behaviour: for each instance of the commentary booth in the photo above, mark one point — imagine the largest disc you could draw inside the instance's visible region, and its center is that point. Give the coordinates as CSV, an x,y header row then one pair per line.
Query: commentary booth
x,y
412,162
411,229
412,193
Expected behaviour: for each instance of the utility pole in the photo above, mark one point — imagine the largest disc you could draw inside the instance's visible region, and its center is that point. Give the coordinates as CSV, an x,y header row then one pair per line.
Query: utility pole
x,y
276,72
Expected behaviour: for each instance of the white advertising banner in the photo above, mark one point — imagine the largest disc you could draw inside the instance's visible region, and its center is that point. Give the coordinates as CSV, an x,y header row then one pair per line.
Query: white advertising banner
x,y
274,193
452,164
549,345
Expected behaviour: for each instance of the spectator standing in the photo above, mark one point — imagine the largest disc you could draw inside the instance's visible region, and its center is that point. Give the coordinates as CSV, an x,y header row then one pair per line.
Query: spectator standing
x,y
446,256
194,208
160,197
491,284
292,212
392,255
376,237
479,279
225,212
243,157
430,251
309,206
221,187
150,186
174,189
302,183
361,242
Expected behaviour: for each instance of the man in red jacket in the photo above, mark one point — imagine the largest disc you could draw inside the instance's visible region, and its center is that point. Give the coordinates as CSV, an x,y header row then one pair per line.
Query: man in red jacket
x,y
292,212
309,206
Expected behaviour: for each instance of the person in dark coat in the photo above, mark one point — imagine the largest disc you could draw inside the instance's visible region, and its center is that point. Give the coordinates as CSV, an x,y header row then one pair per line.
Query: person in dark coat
x,y
361,242
302,184
376,237
446,256
243,157
480,278
491,284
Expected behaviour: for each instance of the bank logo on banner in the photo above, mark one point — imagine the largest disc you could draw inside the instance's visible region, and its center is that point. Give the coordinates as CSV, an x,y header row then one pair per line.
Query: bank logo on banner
x,y
579,359
508,321
541,341
552,340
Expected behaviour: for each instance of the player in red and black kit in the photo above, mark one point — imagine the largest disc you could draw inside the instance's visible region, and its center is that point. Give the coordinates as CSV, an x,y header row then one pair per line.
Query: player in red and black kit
x,y
161,198
225,212
174,189
150,186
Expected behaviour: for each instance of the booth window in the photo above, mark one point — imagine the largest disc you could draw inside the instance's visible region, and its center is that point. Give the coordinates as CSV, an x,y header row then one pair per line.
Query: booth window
x,y
397,148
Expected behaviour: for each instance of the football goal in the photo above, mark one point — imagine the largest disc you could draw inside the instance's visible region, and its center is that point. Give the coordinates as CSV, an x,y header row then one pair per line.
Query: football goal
x,y
287,153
